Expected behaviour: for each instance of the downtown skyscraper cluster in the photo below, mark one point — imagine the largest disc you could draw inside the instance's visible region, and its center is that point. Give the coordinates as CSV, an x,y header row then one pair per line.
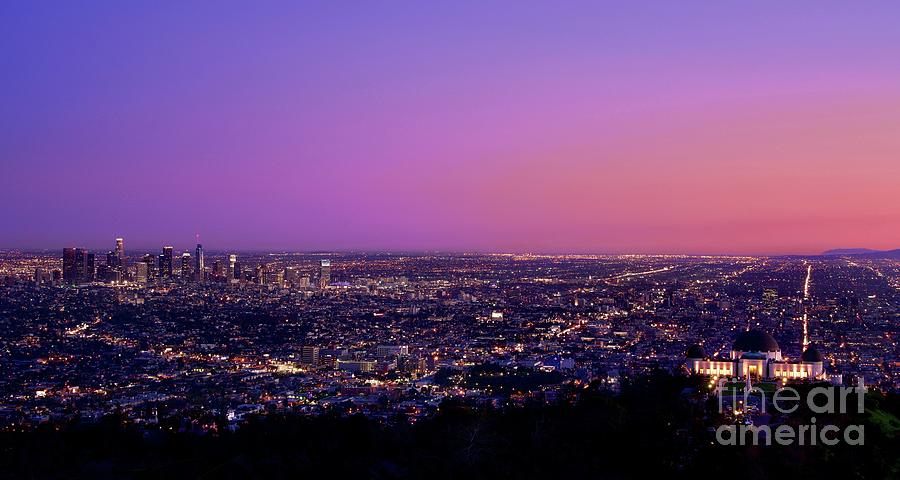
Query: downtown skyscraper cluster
x,y
80,267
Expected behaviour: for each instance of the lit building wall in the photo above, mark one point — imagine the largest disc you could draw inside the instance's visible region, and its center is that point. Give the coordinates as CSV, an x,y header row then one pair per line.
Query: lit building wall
x,y
796,370
713,367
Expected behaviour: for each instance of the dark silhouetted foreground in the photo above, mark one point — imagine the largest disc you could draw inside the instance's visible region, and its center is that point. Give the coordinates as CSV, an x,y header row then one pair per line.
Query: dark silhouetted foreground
x,y
652,428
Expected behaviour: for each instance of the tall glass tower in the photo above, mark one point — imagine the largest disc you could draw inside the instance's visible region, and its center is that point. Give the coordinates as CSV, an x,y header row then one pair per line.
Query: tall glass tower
x,y
198,263
165,263
120,250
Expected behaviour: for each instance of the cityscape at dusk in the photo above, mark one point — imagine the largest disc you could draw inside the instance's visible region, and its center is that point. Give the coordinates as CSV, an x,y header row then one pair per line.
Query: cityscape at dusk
x,y
483,240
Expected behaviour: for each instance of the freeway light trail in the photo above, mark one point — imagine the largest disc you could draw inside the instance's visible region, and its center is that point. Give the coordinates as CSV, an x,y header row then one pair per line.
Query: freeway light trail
x,y
805,308
638,274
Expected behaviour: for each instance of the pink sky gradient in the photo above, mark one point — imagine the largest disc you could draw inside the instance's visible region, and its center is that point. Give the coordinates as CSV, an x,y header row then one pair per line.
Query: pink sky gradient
x,y
479,126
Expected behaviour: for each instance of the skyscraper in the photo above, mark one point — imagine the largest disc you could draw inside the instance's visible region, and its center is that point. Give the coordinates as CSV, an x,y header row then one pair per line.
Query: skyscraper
x,y
165,263
198,263
261,273
113,267
80,263
102,273
120,256
232,260
115,262
324,273
90,268
141,273
150,261
186,266
290,276
120,250
69,270
112,262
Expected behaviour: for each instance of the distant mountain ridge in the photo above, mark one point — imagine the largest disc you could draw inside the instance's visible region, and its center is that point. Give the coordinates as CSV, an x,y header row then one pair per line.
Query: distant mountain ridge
x,y
864,253
848,251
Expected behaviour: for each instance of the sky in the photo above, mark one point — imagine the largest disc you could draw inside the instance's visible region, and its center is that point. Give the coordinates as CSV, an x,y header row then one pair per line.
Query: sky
x,y
581,127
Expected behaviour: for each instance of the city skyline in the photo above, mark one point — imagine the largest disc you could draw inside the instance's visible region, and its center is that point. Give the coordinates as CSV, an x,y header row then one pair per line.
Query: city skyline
x,y
586,128
224,250
390,338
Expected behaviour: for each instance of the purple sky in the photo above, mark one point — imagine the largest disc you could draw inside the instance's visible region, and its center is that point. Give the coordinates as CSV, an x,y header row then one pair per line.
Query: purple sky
x,y
688,127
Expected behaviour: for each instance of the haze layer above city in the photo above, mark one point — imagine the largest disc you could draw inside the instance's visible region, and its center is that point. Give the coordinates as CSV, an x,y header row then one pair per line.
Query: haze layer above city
x,y
586,127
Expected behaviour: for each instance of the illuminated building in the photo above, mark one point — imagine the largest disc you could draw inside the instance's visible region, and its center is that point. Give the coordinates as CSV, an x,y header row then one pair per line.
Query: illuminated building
x,y
120,250
165,263
186,266
756,354
80,263
112,261
150,262
113,271
75,265
90,268
391,351
141,272
324,273
356,366
261,271
70,274
121,261
290,276
198,263
309,355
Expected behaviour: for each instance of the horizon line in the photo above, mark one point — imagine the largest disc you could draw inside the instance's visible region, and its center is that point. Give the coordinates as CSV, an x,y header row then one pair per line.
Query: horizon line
x,y
277,251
